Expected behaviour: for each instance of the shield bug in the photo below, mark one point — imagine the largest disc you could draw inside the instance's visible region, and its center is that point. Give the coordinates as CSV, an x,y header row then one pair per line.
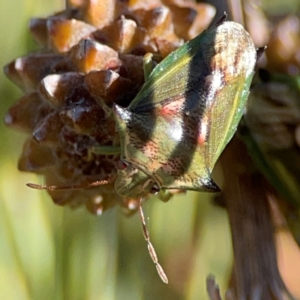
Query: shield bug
x,y
188,109
175,129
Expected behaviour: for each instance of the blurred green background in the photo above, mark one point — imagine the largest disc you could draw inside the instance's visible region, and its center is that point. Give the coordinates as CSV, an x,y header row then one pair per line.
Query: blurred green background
x,y
50,252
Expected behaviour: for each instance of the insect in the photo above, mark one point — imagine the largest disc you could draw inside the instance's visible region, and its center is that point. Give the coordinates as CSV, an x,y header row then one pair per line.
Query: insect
x,y
188,109
175,129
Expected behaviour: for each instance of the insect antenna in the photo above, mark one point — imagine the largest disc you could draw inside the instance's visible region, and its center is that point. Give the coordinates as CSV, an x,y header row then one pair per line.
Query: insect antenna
x,y
69,187
151,249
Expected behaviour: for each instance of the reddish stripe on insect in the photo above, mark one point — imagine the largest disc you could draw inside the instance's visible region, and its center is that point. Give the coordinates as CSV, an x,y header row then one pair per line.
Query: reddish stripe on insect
x,y
171,107
203,130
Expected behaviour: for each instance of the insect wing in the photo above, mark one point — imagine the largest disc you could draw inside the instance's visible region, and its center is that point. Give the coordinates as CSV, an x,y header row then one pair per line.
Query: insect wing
x,y
232,72
185,114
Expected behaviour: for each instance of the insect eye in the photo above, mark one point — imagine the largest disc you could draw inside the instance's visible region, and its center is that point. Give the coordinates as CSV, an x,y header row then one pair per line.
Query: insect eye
x,y
121,165
155,189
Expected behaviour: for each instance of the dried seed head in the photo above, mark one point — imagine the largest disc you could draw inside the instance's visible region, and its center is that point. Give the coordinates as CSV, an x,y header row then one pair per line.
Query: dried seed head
x,y
283,48
273,115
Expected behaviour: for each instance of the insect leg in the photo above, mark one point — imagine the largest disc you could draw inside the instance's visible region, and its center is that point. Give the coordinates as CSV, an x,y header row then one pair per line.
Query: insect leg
x,y
105,150
68,187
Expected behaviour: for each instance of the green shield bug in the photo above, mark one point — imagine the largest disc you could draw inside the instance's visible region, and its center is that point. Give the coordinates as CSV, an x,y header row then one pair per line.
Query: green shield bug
x,y
188,109
175,129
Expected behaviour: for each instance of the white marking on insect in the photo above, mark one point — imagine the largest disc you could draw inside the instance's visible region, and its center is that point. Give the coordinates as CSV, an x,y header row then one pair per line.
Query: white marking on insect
x,y
203,129
176,132
214,83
